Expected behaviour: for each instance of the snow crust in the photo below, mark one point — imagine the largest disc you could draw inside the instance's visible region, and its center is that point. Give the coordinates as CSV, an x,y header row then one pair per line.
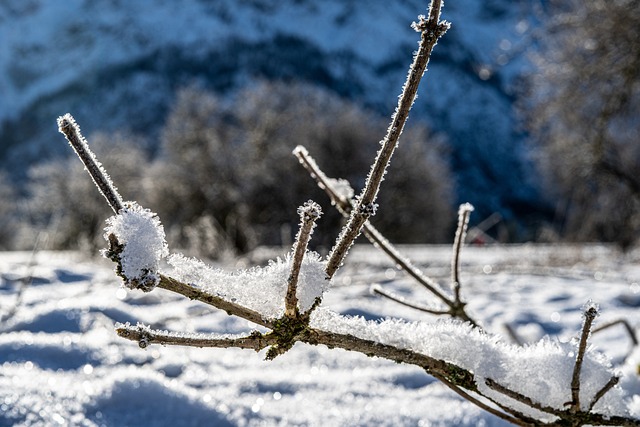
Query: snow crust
x,y
142,235
262,289
62,364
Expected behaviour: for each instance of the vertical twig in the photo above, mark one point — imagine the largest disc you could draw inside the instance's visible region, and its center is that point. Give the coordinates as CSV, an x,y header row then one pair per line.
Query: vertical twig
x,y
463,221
309,213
589,315
431,30
70,129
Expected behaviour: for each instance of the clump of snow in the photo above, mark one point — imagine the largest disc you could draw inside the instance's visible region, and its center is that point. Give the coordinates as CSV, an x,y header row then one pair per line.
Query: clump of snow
x,y
542,370
262,289
142,235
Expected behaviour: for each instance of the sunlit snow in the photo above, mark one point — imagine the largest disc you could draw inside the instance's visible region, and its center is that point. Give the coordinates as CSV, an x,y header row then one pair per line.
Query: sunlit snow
x,y
62,364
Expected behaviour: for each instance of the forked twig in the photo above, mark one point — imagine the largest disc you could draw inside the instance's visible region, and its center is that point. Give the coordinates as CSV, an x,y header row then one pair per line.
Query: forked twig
x,y
431,29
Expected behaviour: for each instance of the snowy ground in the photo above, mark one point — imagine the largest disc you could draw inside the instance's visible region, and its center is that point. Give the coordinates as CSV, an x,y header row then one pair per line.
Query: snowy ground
x,y
62,364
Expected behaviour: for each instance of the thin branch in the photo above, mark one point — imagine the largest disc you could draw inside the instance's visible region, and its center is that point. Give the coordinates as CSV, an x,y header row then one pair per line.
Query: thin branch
x,y
400,300
431,30
70,129
589,315
309,213
463,222
344,206
229,307
522,398
145,336
608,386
480,404
627,326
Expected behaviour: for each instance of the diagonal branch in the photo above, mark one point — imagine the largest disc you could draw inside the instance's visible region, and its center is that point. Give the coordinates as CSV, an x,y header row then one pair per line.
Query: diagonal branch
x,y
70,129
608,386
344,206
376,289
431,29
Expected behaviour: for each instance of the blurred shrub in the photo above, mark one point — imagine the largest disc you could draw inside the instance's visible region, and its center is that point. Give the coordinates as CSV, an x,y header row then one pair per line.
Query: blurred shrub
x,y
230,166
584,114
225,181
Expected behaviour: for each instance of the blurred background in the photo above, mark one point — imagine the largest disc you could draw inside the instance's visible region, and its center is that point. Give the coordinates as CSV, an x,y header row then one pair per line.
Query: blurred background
x,y
529,110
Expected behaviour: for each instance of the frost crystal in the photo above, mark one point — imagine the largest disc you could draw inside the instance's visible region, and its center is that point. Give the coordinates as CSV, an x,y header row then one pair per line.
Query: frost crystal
x,y
142,237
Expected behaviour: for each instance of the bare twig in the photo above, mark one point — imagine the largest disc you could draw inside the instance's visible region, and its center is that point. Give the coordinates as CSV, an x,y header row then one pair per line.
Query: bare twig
x,y
400,300
608,386
589,315
145,336
69,128
463,221
309,213
522,398
623,322
431,29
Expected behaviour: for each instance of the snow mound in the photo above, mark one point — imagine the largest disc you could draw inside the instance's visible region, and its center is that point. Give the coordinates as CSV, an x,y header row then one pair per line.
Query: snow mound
x,y
261,289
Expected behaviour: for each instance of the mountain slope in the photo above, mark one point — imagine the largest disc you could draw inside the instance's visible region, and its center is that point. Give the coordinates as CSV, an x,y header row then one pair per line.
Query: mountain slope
x,y
116,65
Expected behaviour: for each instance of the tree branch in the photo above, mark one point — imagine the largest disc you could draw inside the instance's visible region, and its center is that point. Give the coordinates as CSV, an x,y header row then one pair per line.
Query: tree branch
x,y
431,30
345,206
376,289
70,129
145,336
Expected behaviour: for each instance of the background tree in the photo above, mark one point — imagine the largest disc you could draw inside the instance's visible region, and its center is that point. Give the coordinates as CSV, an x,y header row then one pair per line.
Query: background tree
x,y
584,114
245,146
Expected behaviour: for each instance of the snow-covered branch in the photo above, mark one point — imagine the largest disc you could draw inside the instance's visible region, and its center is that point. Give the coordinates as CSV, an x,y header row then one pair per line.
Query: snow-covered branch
x,y
431,30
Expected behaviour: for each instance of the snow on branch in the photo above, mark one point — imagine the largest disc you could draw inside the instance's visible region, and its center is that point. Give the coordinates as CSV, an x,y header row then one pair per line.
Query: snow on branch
x,y
138,243
309,213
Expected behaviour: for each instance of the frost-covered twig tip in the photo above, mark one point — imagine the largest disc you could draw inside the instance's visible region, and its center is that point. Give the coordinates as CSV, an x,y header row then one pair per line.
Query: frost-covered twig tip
x,y
70,129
